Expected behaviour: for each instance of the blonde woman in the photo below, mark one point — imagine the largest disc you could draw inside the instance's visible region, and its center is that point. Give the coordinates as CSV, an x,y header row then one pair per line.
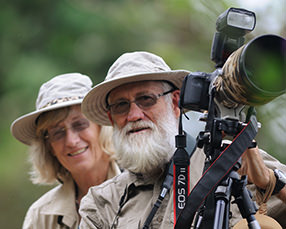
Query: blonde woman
x,y
65,147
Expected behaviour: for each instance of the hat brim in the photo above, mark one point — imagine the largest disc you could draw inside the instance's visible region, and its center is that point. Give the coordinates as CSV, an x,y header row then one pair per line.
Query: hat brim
x,y
24,127
94,103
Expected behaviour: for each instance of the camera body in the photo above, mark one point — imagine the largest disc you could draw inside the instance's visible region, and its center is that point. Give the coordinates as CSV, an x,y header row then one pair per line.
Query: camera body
x,y
195,91
245,75
251,74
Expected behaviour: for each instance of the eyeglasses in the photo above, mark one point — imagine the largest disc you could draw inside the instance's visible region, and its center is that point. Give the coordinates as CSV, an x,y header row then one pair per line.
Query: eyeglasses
x,y
143,101
57,134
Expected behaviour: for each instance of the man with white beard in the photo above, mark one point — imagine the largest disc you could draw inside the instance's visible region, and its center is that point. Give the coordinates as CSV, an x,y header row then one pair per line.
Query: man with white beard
x,y
143,146
139,98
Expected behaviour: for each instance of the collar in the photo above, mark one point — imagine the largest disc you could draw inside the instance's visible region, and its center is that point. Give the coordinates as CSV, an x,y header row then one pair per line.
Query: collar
x,y
62,204
135,180
63,201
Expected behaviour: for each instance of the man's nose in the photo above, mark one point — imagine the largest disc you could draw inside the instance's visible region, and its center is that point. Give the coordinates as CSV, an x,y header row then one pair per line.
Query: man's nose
x,y
135,113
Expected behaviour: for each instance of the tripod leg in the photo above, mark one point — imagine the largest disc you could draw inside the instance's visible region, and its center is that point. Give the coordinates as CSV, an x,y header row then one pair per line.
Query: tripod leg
x,y
244,202
222,197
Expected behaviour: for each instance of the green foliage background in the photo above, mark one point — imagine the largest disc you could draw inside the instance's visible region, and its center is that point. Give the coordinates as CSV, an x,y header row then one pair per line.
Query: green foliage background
x,y
40,39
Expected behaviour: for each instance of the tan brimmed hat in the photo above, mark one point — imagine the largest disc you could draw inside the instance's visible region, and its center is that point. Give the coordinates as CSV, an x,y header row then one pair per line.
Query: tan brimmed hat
x,y
61,91
128,68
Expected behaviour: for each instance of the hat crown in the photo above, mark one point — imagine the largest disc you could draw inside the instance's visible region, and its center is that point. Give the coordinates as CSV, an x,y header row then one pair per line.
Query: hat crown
x,y
128,68
63,88
136,63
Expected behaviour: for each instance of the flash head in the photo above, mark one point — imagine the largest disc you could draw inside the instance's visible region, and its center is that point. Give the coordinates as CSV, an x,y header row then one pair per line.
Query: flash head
x,y
231,26
236,22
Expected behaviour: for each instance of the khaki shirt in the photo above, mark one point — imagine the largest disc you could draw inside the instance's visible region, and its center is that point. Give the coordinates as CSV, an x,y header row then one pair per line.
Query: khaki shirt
x,y
57,209
100,207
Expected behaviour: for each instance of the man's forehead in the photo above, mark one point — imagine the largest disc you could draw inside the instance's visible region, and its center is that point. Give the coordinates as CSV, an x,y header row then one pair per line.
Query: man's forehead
x,y
135,88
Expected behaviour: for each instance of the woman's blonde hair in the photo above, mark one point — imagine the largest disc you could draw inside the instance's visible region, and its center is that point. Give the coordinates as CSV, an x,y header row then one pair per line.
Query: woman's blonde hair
x,y
46,169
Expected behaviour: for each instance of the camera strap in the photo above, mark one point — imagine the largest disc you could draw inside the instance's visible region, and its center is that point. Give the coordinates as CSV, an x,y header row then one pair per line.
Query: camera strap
x,y
181,178
190,143
216,172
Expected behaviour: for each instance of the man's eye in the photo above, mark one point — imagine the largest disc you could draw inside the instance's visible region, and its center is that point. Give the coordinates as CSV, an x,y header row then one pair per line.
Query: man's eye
x,y
121,104
146,100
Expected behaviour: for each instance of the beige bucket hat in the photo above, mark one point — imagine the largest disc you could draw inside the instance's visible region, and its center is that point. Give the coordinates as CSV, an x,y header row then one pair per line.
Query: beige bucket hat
x,y
128,68
61,91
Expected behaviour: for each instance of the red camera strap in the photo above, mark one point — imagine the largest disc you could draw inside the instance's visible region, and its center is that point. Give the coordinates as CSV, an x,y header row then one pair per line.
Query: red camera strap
x,y
181,181
215,173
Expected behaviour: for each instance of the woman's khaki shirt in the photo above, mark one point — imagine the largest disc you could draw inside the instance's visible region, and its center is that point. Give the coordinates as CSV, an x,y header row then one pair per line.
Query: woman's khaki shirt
x,y
57,209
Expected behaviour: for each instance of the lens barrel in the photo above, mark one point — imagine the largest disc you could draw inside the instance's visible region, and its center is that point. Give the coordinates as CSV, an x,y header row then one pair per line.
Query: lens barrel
x,y
254,74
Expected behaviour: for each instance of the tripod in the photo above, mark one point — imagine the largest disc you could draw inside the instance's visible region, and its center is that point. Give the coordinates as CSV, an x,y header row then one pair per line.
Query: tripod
x,y
231,185
236,186
220,122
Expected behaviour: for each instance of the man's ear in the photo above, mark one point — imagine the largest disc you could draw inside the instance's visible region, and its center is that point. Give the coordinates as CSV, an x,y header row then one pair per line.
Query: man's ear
x,y
110,117
175,101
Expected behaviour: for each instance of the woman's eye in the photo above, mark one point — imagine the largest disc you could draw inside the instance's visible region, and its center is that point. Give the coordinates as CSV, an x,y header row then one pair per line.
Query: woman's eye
x,y
81,125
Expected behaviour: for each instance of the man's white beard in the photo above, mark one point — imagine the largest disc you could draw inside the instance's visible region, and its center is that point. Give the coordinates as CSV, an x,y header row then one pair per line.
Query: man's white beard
x,y
148,151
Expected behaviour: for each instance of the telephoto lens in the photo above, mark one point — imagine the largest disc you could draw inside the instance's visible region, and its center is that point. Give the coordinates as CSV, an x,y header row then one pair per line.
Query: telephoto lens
x,y
254,74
